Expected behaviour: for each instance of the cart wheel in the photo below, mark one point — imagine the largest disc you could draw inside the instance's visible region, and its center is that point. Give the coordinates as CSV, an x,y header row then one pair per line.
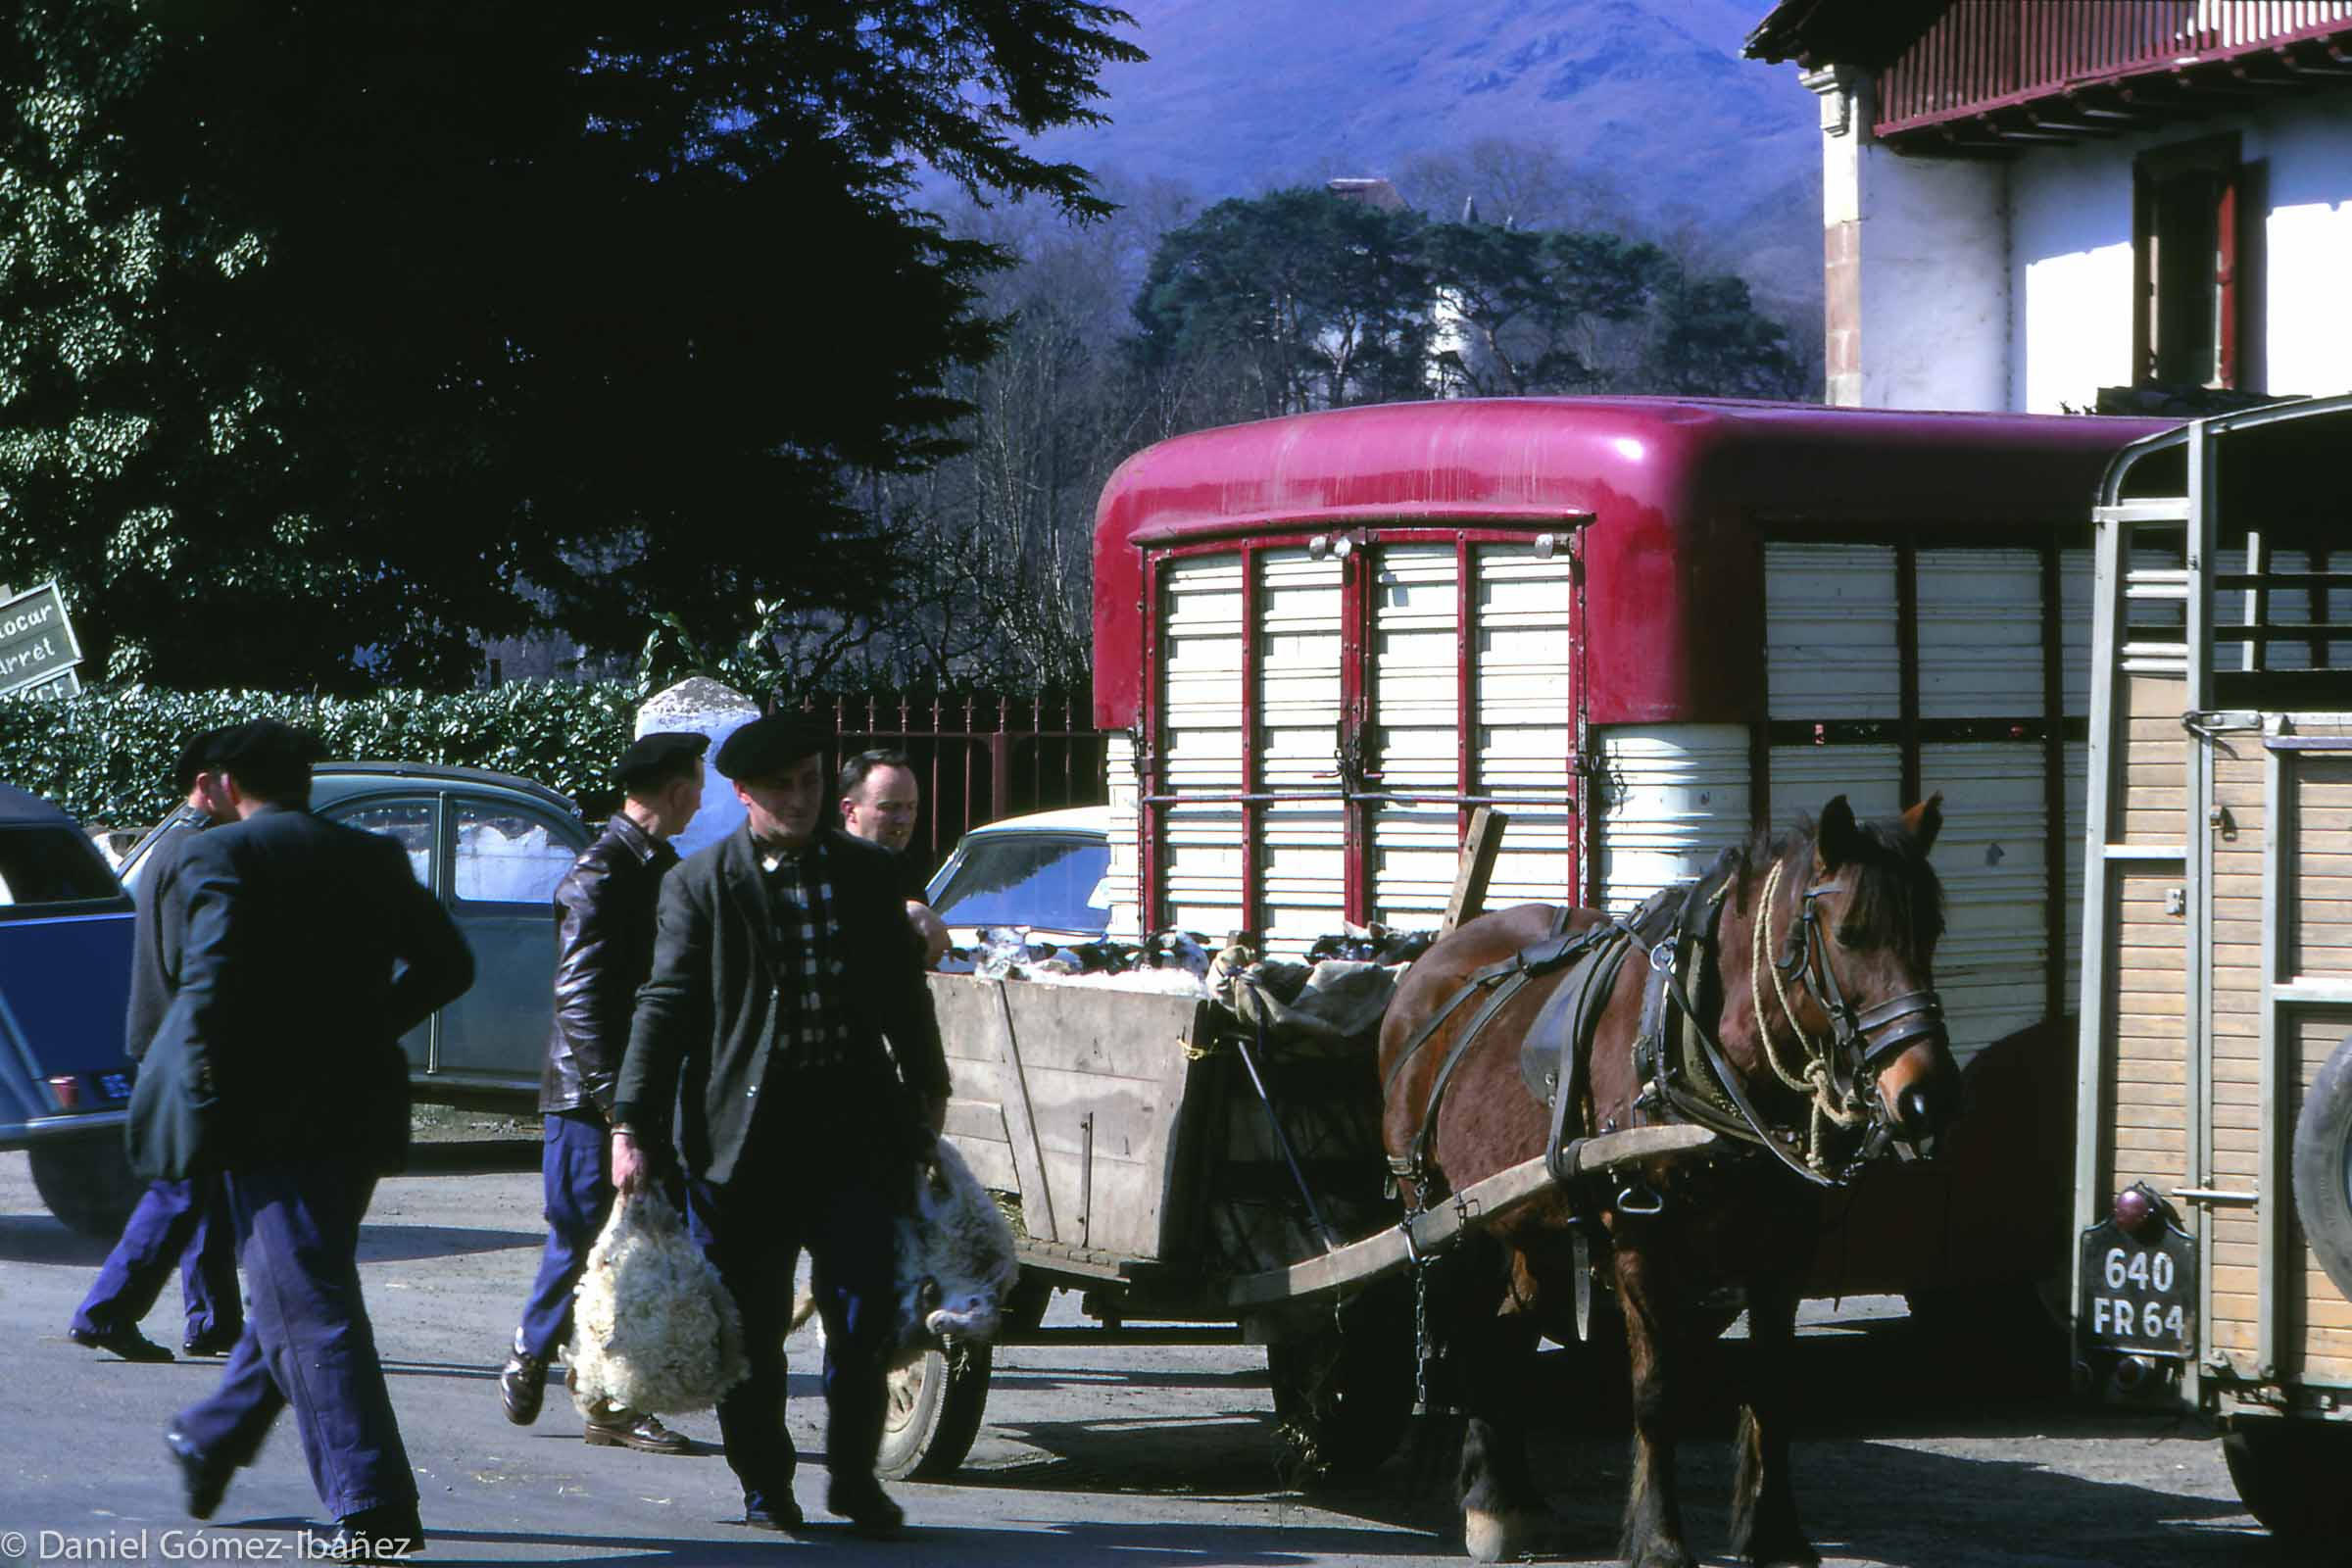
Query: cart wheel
x,y
2323,1167
934,1412
88,1183
2291,1476
1344,1395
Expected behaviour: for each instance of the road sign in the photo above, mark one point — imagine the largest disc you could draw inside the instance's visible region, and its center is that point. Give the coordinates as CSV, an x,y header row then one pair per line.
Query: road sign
x,y
36,640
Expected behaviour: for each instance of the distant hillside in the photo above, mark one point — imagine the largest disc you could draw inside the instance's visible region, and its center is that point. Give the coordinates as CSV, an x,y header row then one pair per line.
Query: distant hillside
x,y
1647,99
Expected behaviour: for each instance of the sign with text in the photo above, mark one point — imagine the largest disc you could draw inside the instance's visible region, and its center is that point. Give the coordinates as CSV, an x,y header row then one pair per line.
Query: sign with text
x,y
36,640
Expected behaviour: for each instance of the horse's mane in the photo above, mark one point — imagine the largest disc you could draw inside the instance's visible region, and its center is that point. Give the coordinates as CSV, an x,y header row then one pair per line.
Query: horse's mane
x,y
1896,899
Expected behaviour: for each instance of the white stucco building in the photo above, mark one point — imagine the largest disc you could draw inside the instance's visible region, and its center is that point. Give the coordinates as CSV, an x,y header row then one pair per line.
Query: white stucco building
x,y
2029,201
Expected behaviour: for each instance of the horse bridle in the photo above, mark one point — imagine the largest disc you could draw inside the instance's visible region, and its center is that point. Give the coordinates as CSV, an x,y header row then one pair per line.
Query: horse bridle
x,y
1862,1040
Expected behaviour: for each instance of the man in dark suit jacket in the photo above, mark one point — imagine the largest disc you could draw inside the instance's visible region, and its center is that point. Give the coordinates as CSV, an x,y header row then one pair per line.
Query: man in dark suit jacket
x,y
186,1221
787,1023
289,1007
604,950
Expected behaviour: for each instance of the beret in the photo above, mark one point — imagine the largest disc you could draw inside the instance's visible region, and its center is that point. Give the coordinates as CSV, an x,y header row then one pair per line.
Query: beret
x,y
195,758
260,740
771,745
651,753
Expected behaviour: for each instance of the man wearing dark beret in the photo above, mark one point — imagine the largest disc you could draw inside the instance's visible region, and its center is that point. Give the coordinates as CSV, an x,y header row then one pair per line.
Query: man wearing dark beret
x,y
604,950
310,949
175,1220
787,997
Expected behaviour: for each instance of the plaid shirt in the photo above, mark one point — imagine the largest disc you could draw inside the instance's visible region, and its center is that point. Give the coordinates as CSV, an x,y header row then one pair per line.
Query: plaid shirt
x,y
800,900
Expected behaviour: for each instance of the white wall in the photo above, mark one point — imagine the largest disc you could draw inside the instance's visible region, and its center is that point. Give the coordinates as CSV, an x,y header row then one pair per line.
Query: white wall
x,y
2308,238
2069,269
1935,281
1917,284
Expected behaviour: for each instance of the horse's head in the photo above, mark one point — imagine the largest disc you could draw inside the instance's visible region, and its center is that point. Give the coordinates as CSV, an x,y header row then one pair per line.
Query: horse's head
x,y
1854,969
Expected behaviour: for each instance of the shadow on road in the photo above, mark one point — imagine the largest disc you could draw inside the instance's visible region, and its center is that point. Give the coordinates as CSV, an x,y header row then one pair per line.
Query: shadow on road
x,y
1142,1544
475,1157
40,1238
408,1244
1873,1394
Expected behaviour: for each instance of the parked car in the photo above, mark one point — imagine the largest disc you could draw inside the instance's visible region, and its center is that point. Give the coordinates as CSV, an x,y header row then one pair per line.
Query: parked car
x,y
65,975
491,846
1043,872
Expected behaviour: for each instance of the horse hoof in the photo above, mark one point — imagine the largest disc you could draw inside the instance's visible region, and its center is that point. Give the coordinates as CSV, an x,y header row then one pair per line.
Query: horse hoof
x,y
1492,1536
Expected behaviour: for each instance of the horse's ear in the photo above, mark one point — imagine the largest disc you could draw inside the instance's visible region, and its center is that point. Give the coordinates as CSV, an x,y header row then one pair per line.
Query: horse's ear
x,y
1833,839
1924,820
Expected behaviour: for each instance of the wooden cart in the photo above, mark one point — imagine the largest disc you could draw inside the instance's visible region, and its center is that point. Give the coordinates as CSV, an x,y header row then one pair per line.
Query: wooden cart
x,y
2213,1207
1196,1182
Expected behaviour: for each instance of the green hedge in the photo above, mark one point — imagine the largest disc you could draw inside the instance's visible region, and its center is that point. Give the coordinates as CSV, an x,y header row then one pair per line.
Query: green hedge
x,y
106,758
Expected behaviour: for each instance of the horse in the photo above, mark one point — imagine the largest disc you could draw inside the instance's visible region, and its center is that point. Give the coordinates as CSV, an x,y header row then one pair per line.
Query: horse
x,y
1797,976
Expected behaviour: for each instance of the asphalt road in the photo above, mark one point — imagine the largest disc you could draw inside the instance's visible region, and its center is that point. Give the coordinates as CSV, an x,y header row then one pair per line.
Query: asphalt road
x,y
1137,1457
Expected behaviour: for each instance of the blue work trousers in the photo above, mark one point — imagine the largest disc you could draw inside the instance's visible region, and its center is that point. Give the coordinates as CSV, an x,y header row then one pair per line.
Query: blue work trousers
x,y
308,1341
175,1223
753,1230
575,1169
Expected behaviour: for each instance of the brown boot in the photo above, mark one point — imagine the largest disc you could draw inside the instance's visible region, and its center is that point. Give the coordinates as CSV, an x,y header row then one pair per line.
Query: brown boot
x,y
615,1425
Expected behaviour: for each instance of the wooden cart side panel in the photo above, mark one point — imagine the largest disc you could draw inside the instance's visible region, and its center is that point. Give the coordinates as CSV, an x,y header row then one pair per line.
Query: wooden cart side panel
x,y
2317,942
2233,1109
2150,803
971,1035
2145,1068
1106,1073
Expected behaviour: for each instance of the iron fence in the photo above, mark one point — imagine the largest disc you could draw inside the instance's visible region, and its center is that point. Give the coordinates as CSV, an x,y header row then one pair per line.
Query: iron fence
x,y
979,755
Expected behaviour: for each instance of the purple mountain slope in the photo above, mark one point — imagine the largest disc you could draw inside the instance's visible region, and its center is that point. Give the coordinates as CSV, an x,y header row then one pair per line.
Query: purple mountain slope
x,y
1646,100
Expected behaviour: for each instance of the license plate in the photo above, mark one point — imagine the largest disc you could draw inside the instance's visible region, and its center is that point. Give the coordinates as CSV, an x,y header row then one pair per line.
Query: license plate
x,y
115,1085
2139,1290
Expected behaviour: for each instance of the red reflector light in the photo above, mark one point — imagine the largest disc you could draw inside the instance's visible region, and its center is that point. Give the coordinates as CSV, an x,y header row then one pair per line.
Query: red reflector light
x,y
67,1090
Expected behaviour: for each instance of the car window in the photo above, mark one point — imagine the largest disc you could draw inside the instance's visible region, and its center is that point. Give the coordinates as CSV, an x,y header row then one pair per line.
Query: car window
x,y
507,855
1023,879
134,865
408,821
52,865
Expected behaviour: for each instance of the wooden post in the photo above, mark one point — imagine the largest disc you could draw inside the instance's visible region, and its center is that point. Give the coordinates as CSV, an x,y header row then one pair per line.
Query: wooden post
x,y
1478,849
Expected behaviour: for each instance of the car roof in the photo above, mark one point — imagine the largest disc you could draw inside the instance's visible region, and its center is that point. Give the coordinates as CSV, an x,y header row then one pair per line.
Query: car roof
x,y
19,808
1095,819
335,781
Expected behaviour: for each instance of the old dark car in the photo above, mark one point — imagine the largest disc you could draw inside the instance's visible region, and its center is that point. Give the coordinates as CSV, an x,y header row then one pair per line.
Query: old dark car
x,y
491,846
64,969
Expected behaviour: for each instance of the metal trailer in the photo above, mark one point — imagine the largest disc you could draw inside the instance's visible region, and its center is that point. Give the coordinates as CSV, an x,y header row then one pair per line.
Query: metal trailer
x,y
2212,1189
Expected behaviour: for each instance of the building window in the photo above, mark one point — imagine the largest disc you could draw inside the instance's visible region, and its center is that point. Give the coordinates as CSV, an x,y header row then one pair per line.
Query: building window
x,y
2186,329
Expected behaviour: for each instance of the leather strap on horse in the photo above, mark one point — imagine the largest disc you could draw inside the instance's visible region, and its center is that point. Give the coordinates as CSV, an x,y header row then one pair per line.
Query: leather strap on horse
x,y
1504,978
1598,980
1735,1115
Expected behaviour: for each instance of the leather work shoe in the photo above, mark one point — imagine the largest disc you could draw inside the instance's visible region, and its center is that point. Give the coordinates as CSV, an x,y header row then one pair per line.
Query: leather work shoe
x,y
216,1342
866,1506
616,1428
200,1476
521,1385
125,1342
780,1512
373,1535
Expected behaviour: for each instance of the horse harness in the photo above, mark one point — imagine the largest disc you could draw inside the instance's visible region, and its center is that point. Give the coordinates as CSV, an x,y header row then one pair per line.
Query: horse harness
x,y
1680,1066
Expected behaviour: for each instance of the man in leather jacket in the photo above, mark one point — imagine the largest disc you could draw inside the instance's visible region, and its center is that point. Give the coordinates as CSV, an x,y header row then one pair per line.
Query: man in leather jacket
x,y
604,950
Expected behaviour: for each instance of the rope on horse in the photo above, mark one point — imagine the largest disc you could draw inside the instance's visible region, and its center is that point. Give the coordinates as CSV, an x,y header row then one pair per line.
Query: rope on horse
x,y
1815,1080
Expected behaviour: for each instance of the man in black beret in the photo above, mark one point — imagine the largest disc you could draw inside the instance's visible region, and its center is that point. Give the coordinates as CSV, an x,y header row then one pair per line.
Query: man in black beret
x,y
787,996
186,1221
310,951
604,950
